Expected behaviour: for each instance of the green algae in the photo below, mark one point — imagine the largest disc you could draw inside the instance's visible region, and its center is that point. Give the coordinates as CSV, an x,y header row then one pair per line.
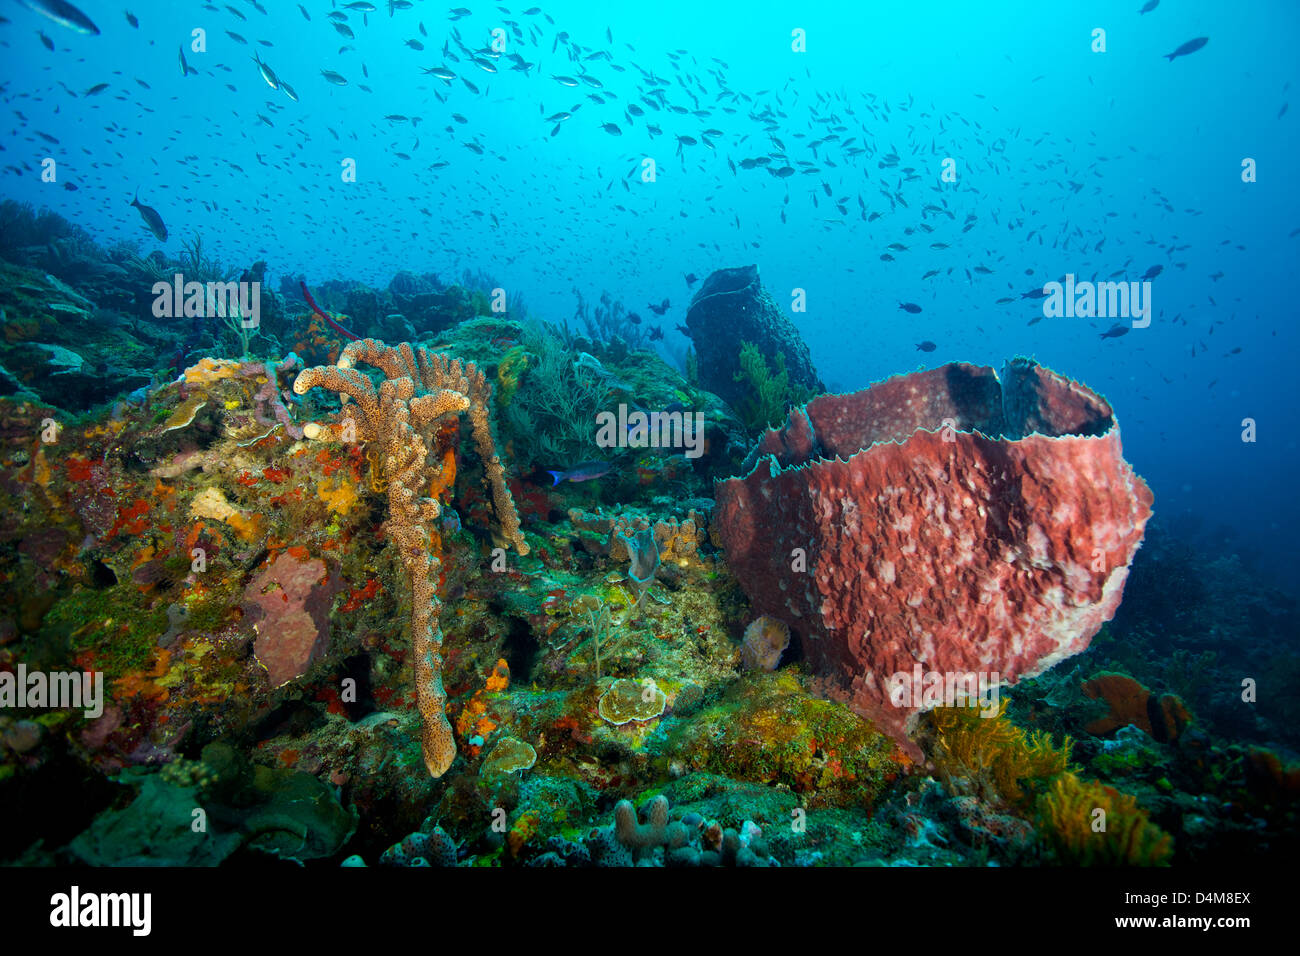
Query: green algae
x,y
211,612
113,623
1127,758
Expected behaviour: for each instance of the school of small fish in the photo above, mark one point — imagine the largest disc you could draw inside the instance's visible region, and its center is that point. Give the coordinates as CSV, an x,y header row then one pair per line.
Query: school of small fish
x,y
844,162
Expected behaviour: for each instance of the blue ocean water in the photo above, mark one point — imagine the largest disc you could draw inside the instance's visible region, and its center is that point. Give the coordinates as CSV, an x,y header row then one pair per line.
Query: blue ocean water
x,y
1067,160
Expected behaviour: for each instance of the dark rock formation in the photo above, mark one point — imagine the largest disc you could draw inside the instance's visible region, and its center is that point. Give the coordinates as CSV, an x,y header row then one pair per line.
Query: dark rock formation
x,y
732,307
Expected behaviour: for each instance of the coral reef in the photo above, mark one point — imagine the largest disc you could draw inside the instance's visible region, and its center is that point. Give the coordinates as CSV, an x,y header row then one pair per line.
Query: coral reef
x,y
57,346
300,613
198,813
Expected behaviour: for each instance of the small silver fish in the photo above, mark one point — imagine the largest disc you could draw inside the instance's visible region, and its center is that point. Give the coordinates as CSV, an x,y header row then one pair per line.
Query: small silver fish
x,y
268,74
64,14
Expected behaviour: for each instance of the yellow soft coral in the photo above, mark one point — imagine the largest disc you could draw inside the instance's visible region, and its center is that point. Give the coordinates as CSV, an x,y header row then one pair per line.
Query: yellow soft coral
x,y
1091,824
995,756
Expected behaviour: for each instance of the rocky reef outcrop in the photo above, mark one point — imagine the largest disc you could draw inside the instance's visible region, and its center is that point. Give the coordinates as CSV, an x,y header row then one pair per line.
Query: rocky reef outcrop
x,y
731,308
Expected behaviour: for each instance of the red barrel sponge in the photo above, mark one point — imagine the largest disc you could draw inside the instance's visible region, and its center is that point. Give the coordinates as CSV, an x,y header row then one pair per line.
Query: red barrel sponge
x,y
946,523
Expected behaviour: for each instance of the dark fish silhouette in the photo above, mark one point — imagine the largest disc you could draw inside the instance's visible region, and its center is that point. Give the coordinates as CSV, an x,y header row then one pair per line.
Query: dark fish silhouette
x,y
911,307
151,218
658,309
1153,272
656,333
1191,46
926,346
1149,6
1115,331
